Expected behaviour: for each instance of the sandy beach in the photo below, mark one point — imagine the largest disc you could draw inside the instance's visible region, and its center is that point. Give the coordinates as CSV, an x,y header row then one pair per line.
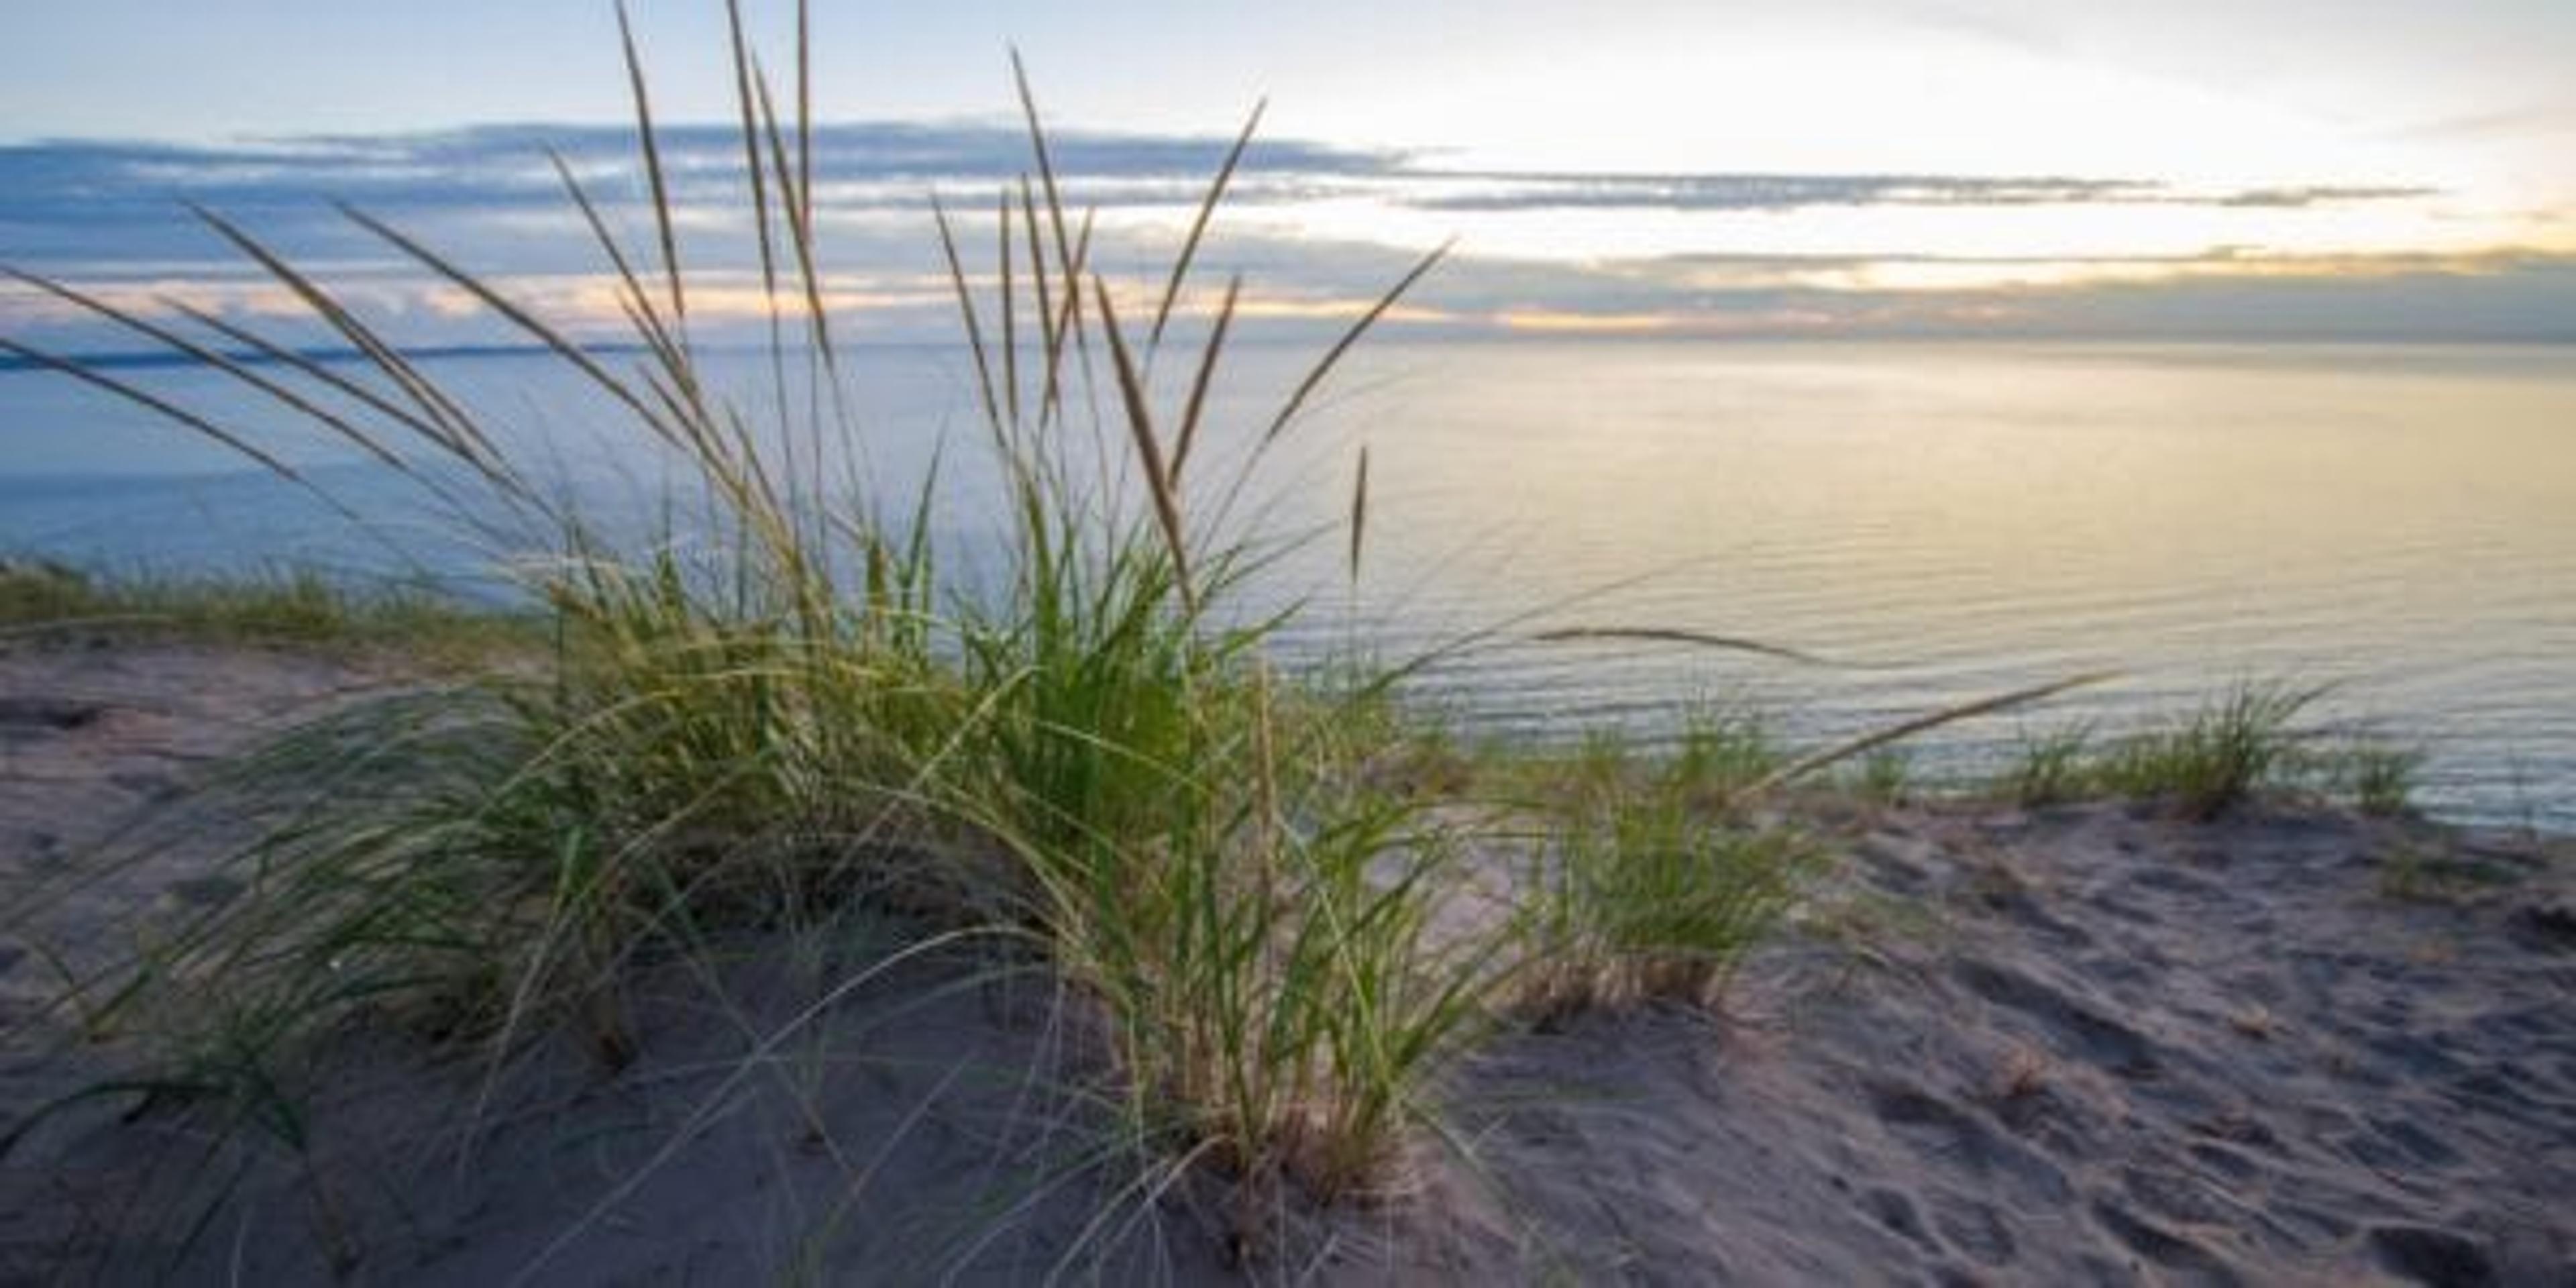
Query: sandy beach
x,y
2086,1044
1572,663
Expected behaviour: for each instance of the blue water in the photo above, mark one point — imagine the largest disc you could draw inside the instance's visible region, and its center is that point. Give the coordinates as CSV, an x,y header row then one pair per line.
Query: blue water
x,y
1947,520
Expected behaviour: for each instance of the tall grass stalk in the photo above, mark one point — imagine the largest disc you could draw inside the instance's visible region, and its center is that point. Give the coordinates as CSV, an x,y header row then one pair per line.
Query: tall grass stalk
x,y
791,704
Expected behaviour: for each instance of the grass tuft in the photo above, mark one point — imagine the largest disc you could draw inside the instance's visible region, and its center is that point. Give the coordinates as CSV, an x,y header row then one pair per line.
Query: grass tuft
x,y
301,609
787,702
1641,896
2232,747
2052,768
2380,778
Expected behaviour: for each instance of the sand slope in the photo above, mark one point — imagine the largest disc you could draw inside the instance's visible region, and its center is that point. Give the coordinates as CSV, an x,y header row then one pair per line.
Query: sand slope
x,y
2091,1045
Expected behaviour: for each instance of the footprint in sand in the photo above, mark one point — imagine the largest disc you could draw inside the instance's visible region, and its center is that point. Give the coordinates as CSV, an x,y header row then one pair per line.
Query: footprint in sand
x,y
2182,1260
2085,1034
2426,1255
26,719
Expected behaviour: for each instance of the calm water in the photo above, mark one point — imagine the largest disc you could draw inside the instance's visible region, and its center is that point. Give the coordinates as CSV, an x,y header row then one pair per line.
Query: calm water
x,y
1950,520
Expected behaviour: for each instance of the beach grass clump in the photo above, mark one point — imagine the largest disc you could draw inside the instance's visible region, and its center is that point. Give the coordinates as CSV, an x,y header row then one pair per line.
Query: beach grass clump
x,y
780,703
1650,881
2051,768
2378,778
1720,751
1245,914
1646,896
1885,777
296,608
2244,742
777,701
1714,755
1205,881
1277,1001
2230,748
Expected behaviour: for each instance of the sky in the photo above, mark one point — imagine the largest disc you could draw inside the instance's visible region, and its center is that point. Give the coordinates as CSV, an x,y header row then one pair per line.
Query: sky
x,y
2365,169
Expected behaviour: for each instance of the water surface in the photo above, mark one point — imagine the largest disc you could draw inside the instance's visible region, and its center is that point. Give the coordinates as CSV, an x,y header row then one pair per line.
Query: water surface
x,y
1950,520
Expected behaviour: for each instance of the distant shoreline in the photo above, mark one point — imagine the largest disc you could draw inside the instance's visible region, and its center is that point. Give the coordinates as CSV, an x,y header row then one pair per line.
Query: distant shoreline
x,y
139,359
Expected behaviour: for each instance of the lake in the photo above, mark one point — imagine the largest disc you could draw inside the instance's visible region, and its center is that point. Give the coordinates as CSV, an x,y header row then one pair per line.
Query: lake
x,y
1941,521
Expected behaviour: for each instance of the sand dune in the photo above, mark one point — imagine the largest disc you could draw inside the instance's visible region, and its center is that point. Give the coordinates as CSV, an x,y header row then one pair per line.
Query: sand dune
x,y
2086,1045
2117,1049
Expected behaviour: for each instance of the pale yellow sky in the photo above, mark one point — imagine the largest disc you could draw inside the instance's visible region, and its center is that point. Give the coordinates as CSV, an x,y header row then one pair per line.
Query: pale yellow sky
x,y
1590,159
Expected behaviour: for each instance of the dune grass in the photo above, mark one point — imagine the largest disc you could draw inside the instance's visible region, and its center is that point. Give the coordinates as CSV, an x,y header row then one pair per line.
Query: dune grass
x,y
298,608
785,702
790,706
2247,741
2051,768
2222,754
1645,896
2378,777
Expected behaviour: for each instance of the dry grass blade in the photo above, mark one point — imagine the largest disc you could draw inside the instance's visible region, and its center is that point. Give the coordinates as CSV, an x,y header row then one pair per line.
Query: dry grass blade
x,y
751,156
1199,384
1702,639
974,326
749,125
454,428
1037,267
1046,172
304,365
1198,226
646,320
1149,452
319,373
805,112
1869,742
1072,253
1359,513
562,345
637,306
653,174
149,401
1314,378
283,395
687,410
798,203
1010,323
1067,329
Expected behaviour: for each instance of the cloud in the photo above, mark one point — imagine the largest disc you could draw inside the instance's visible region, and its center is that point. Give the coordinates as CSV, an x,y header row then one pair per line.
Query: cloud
x,y
2321,195
2499,297
112,216
56,192
507,167
1783,192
